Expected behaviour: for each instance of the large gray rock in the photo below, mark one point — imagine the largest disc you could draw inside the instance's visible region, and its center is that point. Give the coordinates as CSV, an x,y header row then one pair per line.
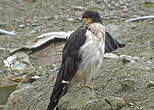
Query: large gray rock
x,y
86,99
128,84
98,104
116,103
77,99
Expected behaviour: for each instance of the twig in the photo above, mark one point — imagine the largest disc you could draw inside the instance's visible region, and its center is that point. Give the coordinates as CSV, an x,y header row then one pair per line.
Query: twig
x,y
3,32
140,18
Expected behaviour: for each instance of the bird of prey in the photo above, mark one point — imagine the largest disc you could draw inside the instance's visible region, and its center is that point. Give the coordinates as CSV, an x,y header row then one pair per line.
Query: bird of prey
x,y
83,55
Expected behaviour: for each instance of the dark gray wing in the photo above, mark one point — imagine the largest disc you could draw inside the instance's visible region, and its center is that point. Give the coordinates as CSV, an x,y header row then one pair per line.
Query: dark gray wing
x,y
111,44
69,66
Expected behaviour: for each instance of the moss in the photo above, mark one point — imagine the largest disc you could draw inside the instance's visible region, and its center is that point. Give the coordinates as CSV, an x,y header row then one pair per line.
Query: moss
x,y
148,4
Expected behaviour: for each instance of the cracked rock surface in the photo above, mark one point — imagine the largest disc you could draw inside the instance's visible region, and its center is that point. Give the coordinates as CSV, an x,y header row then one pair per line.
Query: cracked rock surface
x,y
86,99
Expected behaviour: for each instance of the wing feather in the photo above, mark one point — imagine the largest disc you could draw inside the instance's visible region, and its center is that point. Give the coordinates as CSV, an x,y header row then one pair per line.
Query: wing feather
x,y
70,62
111,44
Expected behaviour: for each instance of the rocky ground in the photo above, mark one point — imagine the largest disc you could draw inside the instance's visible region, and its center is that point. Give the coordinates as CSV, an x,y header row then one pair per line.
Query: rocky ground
x,y
119,85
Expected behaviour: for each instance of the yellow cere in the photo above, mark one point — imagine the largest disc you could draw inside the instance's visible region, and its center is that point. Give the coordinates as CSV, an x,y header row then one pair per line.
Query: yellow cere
x,y
89,20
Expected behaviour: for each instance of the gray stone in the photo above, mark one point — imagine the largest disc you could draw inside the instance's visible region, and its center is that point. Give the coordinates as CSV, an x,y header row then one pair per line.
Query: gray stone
x,y
99,1
116,103
86,99
124,109
150,84
98,104
128,84
77,99
21,25
6,90
77,7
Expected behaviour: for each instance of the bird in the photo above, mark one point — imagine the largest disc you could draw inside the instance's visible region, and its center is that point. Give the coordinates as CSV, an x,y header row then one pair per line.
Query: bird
x,y
82,55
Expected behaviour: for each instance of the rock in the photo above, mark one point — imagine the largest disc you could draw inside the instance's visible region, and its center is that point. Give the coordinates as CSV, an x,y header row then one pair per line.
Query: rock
x,y
18,62
34,24
21,26
111,8
98,105
70,19
116,103
33,79
111,55
3,24
77,7
150,84
21,8
124,109
151,106
6,90
30,0
148,43
133,26
15,96
86,99
99,1
152,58
131,104
47,18
127,59
128,84
77,99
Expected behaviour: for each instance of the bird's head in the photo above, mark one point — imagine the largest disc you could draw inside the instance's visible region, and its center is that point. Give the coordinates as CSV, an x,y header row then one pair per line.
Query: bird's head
x,y
91,17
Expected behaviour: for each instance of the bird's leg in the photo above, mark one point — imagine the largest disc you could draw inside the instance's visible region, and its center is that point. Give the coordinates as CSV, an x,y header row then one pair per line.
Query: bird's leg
x,y
86,85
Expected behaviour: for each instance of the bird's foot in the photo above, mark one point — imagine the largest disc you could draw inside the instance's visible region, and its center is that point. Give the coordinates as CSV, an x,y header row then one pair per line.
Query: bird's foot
x,y
86,85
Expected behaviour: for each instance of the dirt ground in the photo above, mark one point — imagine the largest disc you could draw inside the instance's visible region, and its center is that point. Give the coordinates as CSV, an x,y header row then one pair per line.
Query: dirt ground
x,y
132,81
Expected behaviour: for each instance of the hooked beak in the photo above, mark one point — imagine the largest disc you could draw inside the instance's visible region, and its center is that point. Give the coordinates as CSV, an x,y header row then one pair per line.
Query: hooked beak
x,y
84,22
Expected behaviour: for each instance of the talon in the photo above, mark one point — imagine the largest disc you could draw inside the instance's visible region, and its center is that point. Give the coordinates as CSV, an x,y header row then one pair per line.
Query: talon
x,y
86,85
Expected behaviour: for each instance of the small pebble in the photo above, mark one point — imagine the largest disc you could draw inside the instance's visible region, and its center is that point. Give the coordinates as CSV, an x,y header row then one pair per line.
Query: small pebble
x,y
77,7
99,1
131,104
21,26
150,84
21,8
70,19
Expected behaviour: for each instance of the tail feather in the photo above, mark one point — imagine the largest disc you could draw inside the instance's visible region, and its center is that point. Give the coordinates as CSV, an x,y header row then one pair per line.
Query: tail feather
x,y
57,93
